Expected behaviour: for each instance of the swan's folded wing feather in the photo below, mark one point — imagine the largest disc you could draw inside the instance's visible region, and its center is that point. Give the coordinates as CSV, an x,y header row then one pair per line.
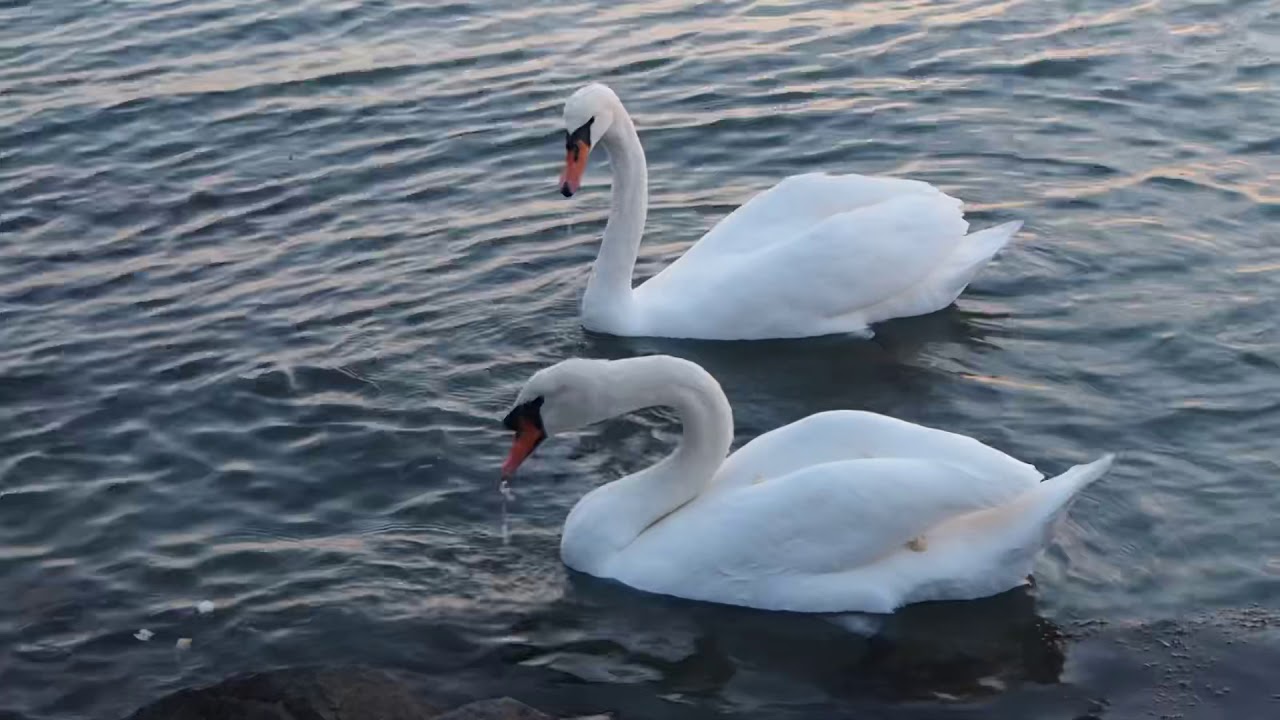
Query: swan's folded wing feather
x,y
782,213
824,518
800,202
854,435
856,259
848,262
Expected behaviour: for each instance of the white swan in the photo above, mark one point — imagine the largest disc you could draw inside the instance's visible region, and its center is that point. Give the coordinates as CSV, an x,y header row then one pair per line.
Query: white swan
x,y
840,511
814,255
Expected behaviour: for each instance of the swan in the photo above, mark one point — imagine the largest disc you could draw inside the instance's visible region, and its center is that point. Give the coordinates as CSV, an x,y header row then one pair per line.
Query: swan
x,y
840,511
816,254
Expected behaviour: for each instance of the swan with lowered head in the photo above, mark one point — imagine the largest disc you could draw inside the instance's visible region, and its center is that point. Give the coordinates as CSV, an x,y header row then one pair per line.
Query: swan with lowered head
x,y
816,254
840,511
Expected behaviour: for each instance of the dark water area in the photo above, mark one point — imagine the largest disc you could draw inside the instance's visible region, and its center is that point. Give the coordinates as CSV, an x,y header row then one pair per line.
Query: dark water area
x,y
271,272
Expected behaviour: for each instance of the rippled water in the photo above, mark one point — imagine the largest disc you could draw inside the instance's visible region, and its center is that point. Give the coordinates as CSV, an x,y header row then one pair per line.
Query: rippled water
x,y
271,271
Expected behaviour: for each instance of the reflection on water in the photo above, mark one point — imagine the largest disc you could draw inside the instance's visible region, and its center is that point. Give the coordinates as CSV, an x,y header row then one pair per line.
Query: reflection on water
x,y
603,632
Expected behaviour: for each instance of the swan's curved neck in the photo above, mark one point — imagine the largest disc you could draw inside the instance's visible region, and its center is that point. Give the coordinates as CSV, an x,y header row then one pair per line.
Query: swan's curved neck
x,y
610,517
607,301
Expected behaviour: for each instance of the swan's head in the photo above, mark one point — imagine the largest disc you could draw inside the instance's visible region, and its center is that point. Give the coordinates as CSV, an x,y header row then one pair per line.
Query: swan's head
x,y
588,115
569,395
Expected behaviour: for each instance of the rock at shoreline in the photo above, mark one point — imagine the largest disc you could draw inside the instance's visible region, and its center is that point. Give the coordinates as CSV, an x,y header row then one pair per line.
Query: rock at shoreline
x,y
296,694
343,693
496,709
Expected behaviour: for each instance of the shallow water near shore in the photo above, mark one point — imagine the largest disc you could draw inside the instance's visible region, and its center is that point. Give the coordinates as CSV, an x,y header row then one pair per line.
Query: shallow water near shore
x,y
272,272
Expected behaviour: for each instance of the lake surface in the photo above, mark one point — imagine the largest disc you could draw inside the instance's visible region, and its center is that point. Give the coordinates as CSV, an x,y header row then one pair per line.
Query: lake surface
x,y
271,273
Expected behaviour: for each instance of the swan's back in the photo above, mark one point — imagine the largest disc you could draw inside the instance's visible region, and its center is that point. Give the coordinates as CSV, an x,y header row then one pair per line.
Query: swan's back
x,y
854,434
813,282
794,205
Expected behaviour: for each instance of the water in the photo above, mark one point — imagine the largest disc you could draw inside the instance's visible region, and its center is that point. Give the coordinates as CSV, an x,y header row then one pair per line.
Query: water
x,y
271,272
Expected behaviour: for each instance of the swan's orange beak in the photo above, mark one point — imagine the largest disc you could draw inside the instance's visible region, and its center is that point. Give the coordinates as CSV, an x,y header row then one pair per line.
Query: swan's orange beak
x,y
575,162
528,437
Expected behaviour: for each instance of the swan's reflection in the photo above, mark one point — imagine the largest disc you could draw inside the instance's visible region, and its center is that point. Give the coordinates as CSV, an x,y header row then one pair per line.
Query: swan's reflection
x,y
603,632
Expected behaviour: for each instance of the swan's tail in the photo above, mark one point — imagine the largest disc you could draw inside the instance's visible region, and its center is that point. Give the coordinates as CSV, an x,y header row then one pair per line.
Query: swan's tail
x,y
979,553
944,285
1040,507
981,246
971,256
996,549
1079,477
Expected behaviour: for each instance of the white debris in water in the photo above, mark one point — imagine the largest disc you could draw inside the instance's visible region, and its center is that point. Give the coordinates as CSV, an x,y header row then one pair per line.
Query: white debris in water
x,y
992,682
183,643
144,634
858,623
205,607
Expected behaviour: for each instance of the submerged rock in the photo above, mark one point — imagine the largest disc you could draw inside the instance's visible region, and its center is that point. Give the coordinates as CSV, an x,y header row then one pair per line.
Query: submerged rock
x,y
339,693
497,709
296,694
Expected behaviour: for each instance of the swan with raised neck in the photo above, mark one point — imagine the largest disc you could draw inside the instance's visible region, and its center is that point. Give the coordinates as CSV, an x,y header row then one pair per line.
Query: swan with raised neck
x,y
594,116
816,254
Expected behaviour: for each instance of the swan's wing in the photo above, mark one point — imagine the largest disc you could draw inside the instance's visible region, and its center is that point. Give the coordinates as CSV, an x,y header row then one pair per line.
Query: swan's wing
x,y
979,553
784,212
826,518
797,204
812,283
853,435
